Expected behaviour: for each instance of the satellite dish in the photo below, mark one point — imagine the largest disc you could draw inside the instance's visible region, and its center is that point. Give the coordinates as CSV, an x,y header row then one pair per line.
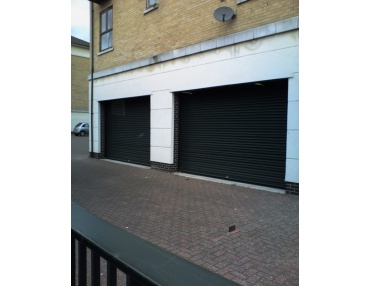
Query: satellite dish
x,y
223,14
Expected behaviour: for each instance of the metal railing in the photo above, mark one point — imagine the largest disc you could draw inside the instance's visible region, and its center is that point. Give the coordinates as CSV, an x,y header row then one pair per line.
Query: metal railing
x,y
143,263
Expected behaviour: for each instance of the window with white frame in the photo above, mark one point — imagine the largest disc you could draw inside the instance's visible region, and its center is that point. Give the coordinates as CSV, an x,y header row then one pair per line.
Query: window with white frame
x,y
106,29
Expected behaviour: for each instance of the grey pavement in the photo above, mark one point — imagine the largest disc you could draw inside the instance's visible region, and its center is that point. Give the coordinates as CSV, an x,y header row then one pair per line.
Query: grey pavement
x,y
191,217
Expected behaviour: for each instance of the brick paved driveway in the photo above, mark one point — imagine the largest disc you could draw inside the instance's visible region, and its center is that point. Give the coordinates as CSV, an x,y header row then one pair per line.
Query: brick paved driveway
x,y
190,217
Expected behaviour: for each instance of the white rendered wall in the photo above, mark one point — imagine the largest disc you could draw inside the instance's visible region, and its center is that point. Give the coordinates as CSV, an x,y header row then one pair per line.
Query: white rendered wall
x,y
161,127
262,59
95,133
80,52
292,149
267,58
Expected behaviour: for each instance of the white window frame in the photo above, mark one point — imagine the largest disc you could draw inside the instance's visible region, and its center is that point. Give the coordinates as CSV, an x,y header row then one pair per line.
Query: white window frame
x,y
106,30
151,5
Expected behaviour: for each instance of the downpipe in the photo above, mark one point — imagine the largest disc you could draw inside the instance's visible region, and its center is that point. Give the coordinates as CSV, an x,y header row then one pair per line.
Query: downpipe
x,y
92,79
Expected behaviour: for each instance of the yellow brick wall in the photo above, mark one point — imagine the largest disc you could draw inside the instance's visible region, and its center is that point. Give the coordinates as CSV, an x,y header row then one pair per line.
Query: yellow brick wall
x,y
176,24
80,69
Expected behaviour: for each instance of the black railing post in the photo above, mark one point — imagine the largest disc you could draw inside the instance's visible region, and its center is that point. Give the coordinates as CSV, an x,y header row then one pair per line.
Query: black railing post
x,y
95,269
73,261
81,264
111,274
143,263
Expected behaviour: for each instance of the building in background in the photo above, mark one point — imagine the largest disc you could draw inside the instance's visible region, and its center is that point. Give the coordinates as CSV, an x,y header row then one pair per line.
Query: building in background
x,y
208,88
80,69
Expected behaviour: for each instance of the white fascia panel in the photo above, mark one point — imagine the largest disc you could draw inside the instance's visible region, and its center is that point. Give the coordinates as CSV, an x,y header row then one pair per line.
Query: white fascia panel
x,y
161,119
292,144
292,171
293,115
161,138
80,52
279,52
264,66
161,100
96,127
267,66
161,155
293,90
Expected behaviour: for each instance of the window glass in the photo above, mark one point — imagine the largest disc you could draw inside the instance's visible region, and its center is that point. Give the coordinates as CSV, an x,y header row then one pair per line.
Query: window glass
x,y
110,39
151,2
106,41
110,19
103,22
106,32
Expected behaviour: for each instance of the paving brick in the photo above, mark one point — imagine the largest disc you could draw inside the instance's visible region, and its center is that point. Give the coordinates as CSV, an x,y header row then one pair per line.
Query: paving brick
x,y
191,217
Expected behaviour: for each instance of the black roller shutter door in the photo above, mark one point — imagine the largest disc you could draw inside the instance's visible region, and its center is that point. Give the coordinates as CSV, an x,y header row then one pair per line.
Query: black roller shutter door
x,y
235,133
127,130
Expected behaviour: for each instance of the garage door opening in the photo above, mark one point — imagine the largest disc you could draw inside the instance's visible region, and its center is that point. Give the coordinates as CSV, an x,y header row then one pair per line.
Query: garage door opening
x,y
236,132
127,130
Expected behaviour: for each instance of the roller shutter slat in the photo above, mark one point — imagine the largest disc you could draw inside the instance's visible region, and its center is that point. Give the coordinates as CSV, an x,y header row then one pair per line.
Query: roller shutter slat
x,y
236,133
127,130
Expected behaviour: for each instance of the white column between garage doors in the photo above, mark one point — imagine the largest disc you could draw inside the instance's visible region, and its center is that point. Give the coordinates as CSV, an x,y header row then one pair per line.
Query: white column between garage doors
x,y
162,127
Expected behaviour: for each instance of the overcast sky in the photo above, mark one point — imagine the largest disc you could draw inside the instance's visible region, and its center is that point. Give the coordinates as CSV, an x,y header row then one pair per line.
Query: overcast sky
x,y
80,19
